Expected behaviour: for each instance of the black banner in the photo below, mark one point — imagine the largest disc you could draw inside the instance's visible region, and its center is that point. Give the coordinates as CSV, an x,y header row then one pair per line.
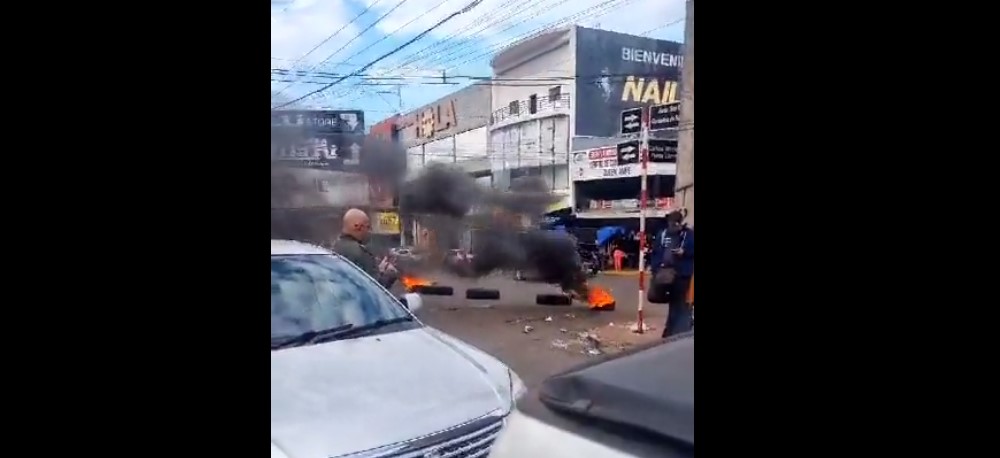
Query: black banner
x,y
328,139
662,150
666,116
628,152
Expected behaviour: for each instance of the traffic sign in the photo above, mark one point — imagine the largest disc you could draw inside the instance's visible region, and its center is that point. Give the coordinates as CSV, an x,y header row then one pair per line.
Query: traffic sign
x,y
631,122
666,116
662,150
628,152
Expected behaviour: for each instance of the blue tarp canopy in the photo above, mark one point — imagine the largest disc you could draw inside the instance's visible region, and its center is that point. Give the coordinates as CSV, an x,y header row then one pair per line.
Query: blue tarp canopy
x,y
606,233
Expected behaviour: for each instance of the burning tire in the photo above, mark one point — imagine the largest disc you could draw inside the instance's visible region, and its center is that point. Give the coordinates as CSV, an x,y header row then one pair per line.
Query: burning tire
x,y
610,307
482,294
434,290
553,299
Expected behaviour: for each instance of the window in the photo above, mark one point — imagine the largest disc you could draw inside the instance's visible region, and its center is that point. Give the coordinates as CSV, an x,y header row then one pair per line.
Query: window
x,y
555,92
533,104
514,107
316,292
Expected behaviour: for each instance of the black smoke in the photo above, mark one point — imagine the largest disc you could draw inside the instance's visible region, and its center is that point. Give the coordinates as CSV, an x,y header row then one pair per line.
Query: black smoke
x,y
297,210
450,201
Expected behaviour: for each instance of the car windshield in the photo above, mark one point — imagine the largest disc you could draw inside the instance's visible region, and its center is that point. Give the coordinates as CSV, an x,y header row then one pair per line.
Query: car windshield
x,y
311,293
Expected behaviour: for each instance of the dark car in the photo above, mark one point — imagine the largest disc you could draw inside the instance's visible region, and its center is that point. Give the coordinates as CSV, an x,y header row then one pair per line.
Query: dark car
x,y
637,404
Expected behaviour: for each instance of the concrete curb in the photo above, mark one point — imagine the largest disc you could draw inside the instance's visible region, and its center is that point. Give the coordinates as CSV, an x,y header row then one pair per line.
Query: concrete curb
x,y
623,273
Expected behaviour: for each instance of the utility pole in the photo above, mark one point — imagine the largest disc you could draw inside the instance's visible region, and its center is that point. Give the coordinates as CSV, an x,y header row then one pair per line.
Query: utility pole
x,y
640,327
684,185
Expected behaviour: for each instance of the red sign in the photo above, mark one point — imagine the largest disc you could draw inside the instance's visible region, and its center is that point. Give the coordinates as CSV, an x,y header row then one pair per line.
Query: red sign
x,y
385,128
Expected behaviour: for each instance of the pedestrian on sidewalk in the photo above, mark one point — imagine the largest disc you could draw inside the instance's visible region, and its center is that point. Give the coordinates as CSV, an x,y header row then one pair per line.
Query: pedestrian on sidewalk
x,y
682,257
619,256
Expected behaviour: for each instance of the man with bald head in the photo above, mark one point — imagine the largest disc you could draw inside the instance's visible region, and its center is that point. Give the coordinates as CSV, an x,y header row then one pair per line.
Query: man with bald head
x,y
351,245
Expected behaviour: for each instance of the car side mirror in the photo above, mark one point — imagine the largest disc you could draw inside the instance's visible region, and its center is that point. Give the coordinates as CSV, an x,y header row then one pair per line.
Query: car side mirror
x,y
412,301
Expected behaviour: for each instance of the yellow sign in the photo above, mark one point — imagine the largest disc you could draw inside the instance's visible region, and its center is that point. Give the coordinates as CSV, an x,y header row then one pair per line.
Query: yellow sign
x,y
642,90
388,223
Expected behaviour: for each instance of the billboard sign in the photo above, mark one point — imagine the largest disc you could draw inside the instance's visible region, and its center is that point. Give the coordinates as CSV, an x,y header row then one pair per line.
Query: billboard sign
x,y
604,164
329,140
386,223
617,72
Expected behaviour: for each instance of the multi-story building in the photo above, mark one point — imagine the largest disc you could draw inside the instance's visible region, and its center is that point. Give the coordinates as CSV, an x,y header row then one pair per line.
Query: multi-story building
x,y
557,101
451,130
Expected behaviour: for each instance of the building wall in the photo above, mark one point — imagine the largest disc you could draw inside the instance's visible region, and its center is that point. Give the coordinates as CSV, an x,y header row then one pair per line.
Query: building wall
x,y
615,72
465,148
451,130
470,109
519,139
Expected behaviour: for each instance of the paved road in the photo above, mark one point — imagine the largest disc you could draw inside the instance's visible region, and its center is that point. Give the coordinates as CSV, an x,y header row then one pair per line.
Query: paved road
x,y
554,342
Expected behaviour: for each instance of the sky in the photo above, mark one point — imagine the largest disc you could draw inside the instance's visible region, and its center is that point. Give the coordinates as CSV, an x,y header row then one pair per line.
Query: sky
x,y
315,42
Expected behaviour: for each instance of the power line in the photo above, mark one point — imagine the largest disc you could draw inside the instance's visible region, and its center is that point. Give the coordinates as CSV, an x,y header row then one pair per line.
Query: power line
x,y
467,8
506,81
370,26
395,31
456,53
484,23
515,10
531,14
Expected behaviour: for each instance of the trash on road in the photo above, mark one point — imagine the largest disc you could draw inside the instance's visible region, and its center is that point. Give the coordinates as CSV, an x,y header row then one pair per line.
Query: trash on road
x,y
528,329
561,344
548,319
563,330
570,315
593,352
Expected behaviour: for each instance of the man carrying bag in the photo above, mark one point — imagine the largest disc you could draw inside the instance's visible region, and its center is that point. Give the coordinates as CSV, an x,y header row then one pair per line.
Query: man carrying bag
x,y
673,268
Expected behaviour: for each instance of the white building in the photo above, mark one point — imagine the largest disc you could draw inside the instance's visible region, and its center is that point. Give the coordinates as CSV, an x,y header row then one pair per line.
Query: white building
x,y
530,127
557,102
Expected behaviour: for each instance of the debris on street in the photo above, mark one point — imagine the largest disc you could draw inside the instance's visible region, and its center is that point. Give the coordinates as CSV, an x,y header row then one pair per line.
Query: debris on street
x,y
561,344
548,319
528,329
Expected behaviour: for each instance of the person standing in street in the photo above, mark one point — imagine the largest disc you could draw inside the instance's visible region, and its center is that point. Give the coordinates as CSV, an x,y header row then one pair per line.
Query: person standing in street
x,y
351,245
619,256
682,254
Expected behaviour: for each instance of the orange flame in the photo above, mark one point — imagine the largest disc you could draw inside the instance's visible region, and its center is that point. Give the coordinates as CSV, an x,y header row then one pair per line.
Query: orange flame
x,y
411,283
600,299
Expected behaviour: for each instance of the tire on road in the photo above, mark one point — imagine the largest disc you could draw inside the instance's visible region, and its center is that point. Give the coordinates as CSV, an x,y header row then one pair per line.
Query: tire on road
x,y
553,300
482,294
607,308
434,290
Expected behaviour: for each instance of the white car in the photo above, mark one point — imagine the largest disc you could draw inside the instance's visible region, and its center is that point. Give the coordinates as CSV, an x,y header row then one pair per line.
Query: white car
x,y
354,374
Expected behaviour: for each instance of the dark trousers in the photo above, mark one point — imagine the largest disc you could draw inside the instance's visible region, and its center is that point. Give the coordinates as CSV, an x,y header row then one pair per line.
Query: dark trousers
x,y
679,311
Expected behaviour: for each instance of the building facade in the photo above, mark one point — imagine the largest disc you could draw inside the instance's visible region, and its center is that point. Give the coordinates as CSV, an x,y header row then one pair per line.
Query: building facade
x,y
452,130
531,123
320,170
558,99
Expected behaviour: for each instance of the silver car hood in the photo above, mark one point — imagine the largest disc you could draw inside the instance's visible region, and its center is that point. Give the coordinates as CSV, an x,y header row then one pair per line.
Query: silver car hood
x,y
352,395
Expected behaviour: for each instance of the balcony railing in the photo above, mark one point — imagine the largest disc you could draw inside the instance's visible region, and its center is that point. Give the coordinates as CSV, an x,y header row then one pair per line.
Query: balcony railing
x,y
542,105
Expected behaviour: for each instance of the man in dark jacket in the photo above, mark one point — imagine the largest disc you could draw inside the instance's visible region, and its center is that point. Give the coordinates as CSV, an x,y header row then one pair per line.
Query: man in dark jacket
x,y
351,246
681,253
